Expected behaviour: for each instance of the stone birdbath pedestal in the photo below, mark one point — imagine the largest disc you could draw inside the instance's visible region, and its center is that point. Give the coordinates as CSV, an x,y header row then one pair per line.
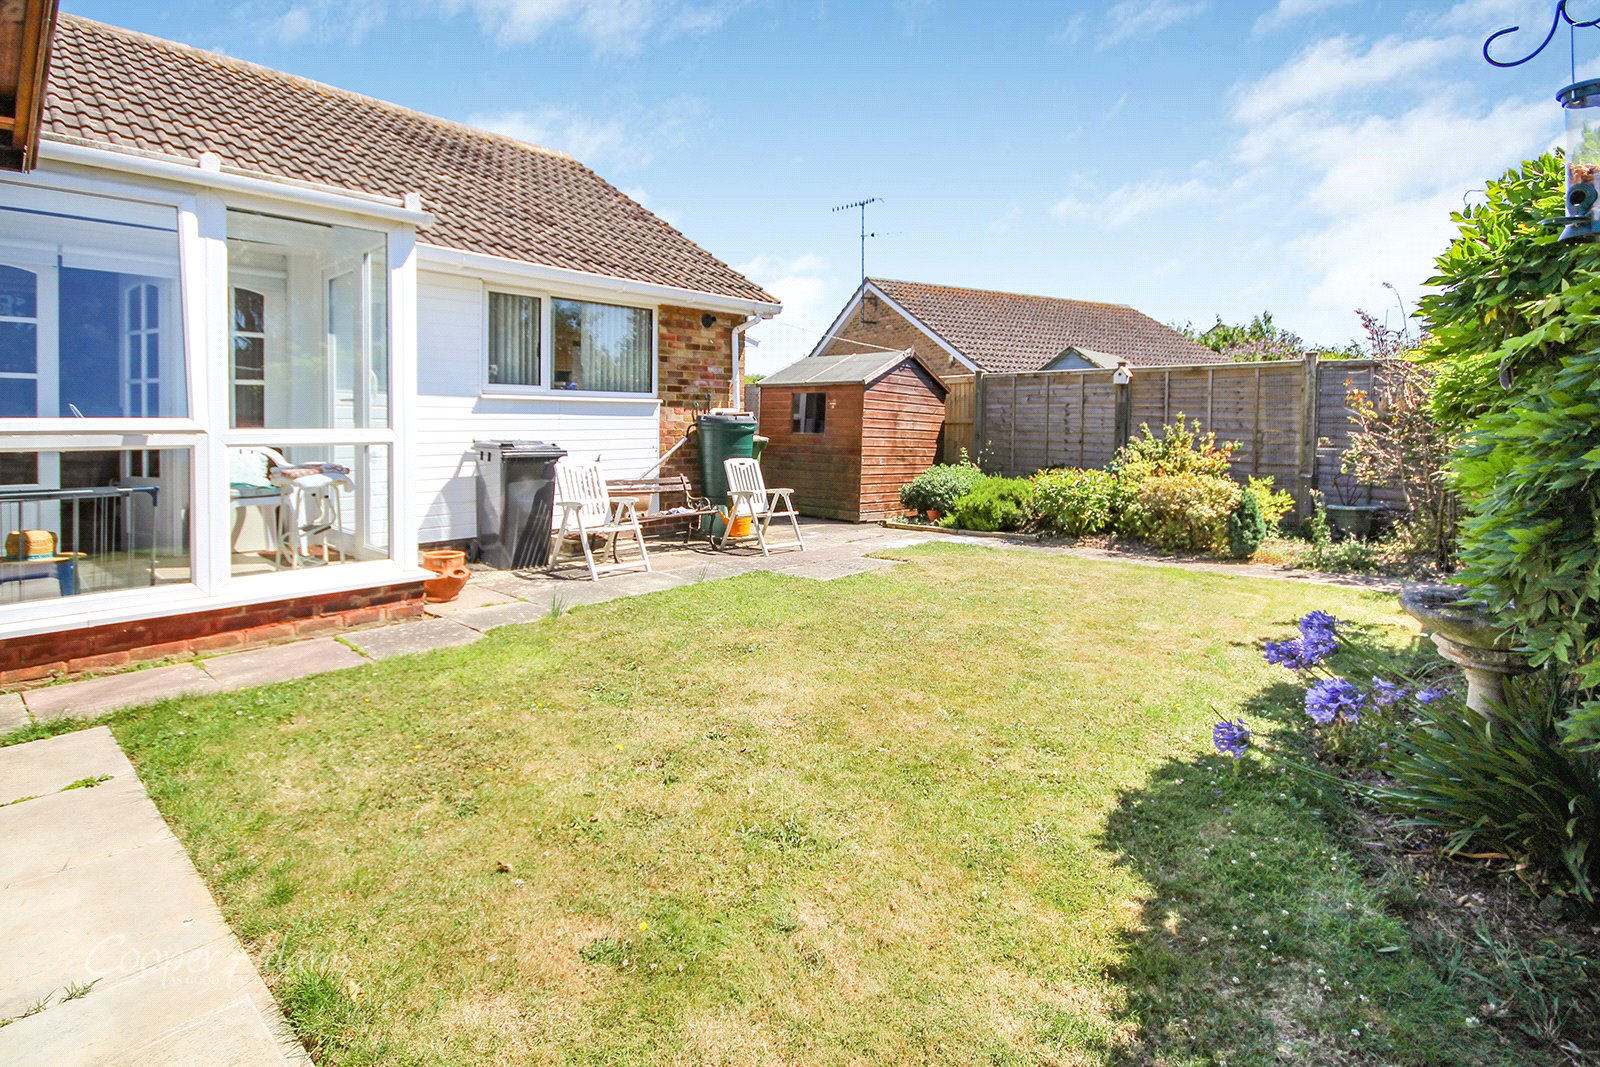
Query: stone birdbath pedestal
x,y
1467,636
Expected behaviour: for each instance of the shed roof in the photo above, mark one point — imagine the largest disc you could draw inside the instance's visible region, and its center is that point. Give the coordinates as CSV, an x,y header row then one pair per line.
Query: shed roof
x,y
114,88
1006,332
861,368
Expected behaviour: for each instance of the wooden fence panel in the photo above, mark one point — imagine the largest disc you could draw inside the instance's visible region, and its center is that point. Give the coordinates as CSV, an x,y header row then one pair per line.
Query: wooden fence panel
x,y
1037,420
960,408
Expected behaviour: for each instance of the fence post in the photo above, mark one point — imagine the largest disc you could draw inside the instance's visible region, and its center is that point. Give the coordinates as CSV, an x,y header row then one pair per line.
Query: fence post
x,y
980,415
1122,422
1306,466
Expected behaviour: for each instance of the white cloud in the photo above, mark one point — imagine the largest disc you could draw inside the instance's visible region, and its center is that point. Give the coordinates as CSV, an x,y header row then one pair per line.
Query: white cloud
x,y
641,196
1288,11
324,21
598,143
1134,201
806,286
1338,66
624,140
1133,18
617,26
1371,159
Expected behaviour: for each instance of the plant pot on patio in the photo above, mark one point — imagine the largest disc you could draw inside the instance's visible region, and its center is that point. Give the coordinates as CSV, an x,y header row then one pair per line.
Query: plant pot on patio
x,y
451,567
1352,520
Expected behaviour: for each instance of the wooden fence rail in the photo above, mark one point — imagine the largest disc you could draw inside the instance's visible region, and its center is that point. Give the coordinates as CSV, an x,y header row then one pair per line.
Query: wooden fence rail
x,y
1290,420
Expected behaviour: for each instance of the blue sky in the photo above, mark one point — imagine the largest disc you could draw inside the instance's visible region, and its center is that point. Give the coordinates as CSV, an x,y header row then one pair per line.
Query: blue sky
x,y
1189,157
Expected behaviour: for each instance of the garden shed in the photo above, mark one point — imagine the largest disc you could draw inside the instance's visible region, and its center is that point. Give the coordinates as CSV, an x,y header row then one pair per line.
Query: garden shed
x,y
848,431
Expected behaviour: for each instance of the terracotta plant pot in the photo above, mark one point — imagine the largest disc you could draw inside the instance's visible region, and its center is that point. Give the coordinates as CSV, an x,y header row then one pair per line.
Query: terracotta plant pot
x,y
443,560
446,587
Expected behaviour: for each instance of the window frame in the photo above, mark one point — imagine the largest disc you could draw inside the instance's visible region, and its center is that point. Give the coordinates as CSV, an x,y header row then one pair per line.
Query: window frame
x,y
201,311
799,418
547,355
543,303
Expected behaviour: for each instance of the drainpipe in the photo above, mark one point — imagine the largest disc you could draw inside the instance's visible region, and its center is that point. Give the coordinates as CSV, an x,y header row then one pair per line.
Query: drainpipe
x,y
738,370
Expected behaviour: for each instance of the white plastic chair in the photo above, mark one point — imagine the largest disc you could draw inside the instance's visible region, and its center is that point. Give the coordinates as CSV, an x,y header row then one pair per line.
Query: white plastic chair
x,y
249,487
750,497
587,511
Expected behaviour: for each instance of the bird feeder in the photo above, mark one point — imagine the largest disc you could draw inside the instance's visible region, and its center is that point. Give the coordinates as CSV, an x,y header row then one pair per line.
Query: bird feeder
x,y
1581,102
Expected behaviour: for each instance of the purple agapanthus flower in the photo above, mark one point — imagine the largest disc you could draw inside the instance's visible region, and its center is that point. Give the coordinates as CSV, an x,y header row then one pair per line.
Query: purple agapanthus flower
x,y
1387,694
1317,641
1231,736
1334,700
1430,694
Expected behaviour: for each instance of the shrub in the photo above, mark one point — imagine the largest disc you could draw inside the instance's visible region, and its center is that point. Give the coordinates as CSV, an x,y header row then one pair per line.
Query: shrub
x,y
1506,783
1275,504
939,487
1181,449
1246,528
1073,503
1181,512
992,504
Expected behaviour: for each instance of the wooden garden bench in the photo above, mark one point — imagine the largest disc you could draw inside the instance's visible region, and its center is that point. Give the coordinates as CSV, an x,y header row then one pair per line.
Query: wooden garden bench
x,y
675,501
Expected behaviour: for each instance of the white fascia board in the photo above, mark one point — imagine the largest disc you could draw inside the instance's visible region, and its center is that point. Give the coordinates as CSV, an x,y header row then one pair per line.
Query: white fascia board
x,y
935,338
535,275
190,172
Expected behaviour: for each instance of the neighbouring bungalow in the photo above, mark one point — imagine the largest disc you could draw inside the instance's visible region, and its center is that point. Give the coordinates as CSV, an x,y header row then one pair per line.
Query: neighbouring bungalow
x,y
864,413
846,432
216,273
965,331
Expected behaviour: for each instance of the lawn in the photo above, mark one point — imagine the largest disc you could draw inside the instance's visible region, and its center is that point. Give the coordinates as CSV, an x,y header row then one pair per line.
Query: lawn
x,y
963,810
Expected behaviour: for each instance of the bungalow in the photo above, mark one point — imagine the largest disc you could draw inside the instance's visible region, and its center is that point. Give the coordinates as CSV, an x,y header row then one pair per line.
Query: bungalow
x,y
965,331
230,295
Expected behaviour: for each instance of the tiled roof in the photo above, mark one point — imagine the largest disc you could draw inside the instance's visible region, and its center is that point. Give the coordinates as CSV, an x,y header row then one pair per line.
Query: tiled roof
x,y
859,368
1006,332
490,194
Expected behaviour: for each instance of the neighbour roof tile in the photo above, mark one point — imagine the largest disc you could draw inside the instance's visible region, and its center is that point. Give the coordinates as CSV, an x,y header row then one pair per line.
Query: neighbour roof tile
x,y
1006,332
490,194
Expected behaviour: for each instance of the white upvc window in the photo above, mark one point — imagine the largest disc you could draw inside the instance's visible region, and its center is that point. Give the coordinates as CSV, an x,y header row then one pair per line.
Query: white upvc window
x,y
153,345
543,343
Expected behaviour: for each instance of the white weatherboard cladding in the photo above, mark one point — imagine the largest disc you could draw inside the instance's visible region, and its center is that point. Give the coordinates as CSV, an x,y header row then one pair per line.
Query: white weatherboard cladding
x,y
452,411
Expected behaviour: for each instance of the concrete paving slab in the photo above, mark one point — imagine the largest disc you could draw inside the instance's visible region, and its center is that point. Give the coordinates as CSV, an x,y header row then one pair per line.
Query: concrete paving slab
x,y
486,619
164,1015
281,663
65,928
407,637
475,594
57,831
99,695
26,771
828,569
95,888
13,712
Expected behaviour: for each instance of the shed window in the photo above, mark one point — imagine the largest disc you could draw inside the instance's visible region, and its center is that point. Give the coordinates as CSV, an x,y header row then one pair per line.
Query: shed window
x,y
809,412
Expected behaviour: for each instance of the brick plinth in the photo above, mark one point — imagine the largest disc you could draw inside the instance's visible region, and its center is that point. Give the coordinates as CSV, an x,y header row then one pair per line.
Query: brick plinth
x,y
94,648
695,375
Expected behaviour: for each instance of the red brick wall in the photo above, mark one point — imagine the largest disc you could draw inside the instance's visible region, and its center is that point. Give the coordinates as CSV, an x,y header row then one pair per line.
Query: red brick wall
x,y
875,323
695,374
26,659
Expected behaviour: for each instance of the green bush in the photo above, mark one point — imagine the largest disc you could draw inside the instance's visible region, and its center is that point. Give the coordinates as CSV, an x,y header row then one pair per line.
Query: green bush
x,y
1181,449
1246,527
1181,512
992,504
1505,783
1073,503
939,487
1275,504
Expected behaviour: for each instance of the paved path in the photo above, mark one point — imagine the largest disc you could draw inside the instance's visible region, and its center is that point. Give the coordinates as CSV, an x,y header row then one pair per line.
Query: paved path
x,y
493,599
98,899
502,598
